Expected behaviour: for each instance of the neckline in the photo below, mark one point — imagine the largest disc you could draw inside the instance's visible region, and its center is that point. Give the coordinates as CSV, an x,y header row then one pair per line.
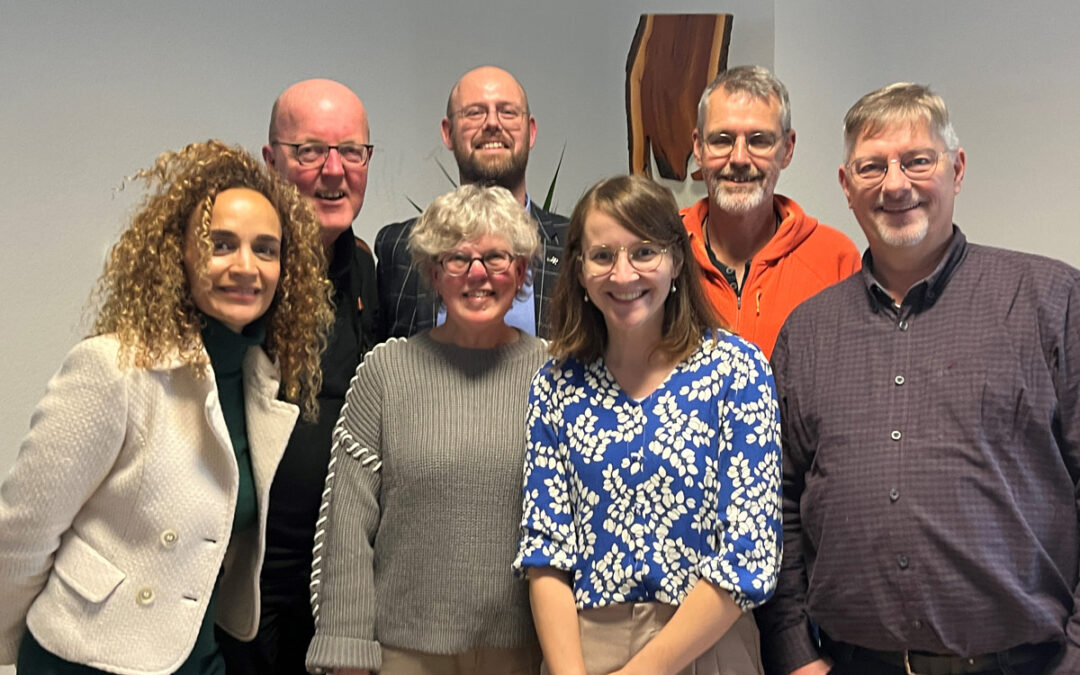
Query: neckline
x,y
521,344
602,366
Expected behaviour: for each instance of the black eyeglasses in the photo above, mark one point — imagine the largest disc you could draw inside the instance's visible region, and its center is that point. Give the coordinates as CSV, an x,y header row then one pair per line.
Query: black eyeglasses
x,y
315,154
477,115
457,263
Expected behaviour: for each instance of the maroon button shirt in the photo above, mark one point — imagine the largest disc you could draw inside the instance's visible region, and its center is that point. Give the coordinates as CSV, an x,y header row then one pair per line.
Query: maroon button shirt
x,y
931,462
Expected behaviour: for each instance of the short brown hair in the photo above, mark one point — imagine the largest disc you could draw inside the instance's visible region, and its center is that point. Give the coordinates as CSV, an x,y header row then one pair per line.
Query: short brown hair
x,y
649,211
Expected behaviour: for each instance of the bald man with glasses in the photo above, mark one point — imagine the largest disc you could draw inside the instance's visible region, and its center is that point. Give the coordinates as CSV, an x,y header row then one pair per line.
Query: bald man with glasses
x,y
319,141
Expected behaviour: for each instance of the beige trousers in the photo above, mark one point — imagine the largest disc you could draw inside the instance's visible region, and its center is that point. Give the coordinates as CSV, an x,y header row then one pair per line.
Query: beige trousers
x,y
611,635
481,661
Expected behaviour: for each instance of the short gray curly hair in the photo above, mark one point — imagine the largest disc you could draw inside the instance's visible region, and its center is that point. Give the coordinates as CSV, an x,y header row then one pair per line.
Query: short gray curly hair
x,y
466,214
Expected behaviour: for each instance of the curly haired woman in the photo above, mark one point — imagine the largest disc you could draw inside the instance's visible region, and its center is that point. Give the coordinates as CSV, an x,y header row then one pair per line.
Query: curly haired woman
x,y
134,517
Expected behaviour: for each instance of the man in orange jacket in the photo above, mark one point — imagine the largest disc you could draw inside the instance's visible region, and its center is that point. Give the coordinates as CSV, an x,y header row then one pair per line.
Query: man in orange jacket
x,y
759,253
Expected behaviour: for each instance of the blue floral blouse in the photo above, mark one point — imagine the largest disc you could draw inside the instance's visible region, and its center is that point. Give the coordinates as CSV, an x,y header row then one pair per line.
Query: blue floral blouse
x,y
638,499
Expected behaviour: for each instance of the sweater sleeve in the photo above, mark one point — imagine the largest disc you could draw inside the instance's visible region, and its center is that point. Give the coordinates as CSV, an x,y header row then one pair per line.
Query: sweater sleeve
x,y
747,532
342,577
548,537
76,433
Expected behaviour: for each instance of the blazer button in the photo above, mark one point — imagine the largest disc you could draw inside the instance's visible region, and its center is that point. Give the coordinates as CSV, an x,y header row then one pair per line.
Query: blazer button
x,y
169,538
145,596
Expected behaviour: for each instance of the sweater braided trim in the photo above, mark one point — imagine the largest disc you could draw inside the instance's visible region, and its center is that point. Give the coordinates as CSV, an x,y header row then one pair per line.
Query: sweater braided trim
x,y
343,440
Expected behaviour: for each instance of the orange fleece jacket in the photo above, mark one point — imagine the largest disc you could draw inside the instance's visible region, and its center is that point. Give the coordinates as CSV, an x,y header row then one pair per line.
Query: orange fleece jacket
x,y
802,258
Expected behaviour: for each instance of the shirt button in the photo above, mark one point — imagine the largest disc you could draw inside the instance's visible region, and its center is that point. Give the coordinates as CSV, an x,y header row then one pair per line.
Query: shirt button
x,y
902,325
916,624
894,494
895,435
145,596
899,380
902,561
169,538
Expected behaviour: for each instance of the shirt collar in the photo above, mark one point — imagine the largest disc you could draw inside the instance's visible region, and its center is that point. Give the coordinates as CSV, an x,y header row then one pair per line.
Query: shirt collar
x,y
925,293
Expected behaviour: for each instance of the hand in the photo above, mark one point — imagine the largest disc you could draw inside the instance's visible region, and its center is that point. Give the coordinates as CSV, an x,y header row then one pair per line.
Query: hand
x,y
819,667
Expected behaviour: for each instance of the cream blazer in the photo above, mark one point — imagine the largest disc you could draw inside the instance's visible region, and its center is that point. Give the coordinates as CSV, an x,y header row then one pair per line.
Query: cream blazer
x,y
115,520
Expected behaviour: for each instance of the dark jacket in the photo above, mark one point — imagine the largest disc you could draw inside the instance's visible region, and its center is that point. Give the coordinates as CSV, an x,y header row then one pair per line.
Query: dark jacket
x,y
297,490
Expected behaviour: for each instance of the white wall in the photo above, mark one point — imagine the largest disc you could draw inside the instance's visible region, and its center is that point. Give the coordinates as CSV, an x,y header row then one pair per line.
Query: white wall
x,y
1009,74
91,91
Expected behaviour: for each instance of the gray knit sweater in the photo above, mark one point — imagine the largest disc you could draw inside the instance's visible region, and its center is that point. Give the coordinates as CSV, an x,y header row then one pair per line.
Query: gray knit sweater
x,y
419,521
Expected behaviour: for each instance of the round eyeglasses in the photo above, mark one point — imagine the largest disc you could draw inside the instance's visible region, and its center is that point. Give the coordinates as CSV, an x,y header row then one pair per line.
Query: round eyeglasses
x,y
644,256
509,116
456,263
315,154
758,144
916,165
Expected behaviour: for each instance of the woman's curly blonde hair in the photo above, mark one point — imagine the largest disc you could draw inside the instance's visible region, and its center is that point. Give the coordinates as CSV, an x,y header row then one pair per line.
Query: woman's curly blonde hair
x,y
144,296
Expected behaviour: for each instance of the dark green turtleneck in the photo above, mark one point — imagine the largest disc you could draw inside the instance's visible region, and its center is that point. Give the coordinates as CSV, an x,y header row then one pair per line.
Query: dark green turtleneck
x,y
227,350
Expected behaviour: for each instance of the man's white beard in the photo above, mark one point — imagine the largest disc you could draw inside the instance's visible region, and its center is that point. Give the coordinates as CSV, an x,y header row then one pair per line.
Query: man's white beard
x,y
740,202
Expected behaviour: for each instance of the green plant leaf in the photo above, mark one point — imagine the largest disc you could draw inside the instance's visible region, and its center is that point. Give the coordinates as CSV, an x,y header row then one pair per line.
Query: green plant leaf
x,y
551,188
446,173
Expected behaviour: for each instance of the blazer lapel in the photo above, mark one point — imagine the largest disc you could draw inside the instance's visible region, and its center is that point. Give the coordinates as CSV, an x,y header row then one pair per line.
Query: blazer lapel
x,y
269,421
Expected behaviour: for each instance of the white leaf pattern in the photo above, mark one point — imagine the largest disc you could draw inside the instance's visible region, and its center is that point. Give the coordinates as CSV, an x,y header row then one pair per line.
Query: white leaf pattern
x,y
640,500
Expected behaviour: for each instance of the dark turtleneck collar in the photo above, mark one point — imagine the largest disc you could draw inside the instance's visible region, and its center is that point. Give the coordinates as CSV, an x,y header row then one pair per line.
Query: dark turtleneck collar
x,y
340,256
226,347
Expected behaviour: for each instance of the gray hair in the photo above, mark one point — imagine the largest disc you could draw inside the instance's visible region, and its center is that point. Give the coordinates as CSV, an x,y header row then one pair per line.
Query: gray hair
x,y
898,102
466,214
753,81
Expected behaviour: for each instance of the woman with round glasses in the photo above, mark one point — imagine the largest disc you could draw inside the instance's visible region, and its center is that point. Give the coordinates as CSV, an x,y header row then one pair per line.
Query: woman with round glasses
x,y
135,515
419,523
651,508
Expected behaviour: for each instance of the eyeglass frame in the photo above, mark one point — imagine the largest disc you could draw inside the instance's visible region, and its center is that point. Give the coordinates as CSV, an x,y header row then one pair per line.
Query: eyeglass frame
x,y
615,260
499,109
326,155
709,151
861,182
472,259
